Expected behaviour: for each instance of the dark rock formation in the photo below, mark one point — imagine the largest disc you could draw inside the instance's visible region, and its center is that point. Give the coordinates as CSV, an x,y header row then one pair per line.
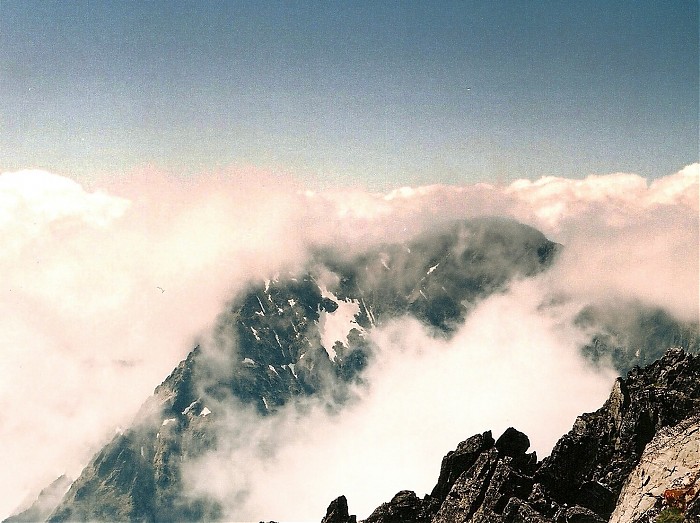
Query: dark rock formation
x,y
338,512
603,447
581,481
404,506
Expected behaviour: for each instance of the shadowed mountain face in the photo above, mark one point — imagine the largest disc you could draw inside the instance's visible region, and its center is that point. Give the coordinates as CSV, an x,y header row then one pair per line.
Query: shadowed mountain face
x,y
306,335
294,336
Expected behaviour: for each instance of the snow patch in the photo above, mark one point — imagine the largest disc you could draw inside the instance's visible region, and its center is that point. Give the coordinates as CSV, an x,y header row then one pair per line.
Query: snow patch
x,y
335,326
168,422
370,316
433,268
205,412
255,333
262,308
248,361
190,407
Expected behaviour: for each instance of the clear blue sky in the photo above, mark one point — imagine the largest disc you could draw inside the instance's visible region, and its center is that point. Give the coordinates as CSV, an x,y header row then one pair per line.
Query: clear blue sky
x,y
378,93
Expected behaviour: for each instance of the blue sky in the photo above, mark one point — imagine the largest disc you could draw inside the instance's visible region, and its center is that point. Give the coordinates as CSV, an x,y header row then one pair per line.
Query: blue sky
x,y
380,94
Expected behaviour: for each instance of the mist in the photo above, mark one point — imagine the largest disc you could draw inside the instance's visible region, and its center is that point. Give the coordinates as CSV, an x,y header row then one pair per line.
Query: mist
x,y
107,288
510,364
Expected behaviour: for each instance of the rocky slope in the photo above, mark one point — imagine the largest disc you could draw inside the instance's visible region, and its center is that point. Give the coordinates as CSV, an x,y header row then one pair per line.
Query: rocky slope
x,y
617,462
45,504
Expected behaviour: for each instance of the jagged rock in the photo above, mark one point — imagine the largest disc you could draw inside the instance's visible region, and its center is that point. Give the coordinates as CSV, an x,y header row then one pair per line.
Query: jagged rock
x,y
656,408
512,443
338,512
604,446
404,507
458,461
469,491
517,511
483,492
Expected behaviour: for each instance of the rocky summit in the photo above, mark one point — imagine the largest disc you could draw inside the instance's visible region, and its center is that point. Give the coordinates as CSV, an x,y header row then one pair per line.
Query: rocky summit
x,y
633,460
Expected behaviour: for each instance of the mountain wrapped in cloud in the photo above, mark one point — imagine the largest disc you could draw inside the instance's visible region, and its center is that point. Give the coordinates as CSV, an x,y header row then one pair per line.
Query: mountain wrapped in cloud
x,y
296,348
296,336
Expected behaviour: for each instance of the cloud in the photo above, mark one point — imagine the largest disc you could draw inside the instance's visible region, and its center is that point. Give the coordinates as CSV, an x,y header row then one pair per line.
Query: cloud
x,y
510,364
104,293
624,237
105,289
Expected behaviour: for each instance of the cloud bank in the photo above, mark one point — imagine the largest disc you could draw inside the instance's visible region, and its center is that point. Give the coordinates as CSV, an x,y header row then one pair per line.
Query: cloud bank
x,y
105,289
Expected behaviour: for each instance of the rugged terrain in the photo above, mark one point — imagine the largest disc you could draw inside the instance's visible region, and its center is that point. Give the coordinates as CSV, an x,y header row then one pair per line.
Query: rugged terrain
x,y
306,335
631,460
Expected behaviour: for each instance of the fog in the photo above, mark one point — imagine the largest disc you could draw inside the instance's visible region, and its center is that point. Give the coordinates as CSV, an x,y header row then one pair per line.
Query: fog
x,y
510,364
107,287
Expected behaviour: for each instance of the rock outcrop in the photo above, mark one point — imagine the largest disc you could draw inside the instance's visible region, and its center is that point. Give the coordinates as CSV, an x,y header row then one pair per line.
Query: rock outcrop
x,y
634,457
668,475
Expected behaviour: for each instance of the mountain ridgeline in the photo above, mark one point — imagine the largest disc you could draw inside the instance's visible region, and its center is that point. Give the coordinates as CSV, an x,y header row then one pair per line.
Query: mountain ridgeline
x,y
307,336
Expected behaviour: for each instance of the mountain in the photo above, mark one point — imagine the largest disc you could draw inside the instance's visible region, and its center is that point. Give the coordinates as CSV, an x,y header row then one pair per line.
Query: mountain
x,y
632,460
305,335
45,503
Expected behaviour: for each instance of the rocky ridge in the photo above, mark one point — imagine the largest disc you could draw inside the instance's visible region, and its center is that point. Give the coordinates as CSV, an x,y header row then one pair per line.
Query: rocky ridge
x,y
616,462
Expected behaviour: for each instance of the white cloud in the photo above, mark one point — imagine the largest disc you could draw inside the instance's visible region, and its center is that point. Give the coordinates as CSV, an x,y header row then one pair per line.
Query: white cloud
x,y
87,333
102,296
509,365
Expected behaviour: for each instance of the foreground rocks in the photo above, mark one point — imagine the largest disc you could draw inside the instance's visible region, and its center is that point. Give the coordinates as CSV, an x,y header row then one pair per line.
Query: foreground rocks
x,y
626,461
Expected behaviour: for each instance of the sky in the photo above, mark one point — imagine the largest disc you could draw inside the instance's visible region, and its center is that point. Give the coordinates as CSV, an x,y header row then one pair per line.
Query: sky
x,y
156,156
377,94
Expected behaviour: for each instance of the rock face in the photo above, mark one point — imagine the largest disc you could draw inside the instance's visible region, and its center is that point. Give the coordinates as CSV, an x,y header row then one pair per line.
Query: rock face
x,y
670,464
338,512
616,462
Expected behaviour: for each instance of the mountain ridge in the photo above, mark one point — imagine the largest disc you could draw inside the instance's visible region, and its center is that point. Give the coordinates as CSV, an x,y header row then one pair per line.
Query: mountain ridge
x,y
270,348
